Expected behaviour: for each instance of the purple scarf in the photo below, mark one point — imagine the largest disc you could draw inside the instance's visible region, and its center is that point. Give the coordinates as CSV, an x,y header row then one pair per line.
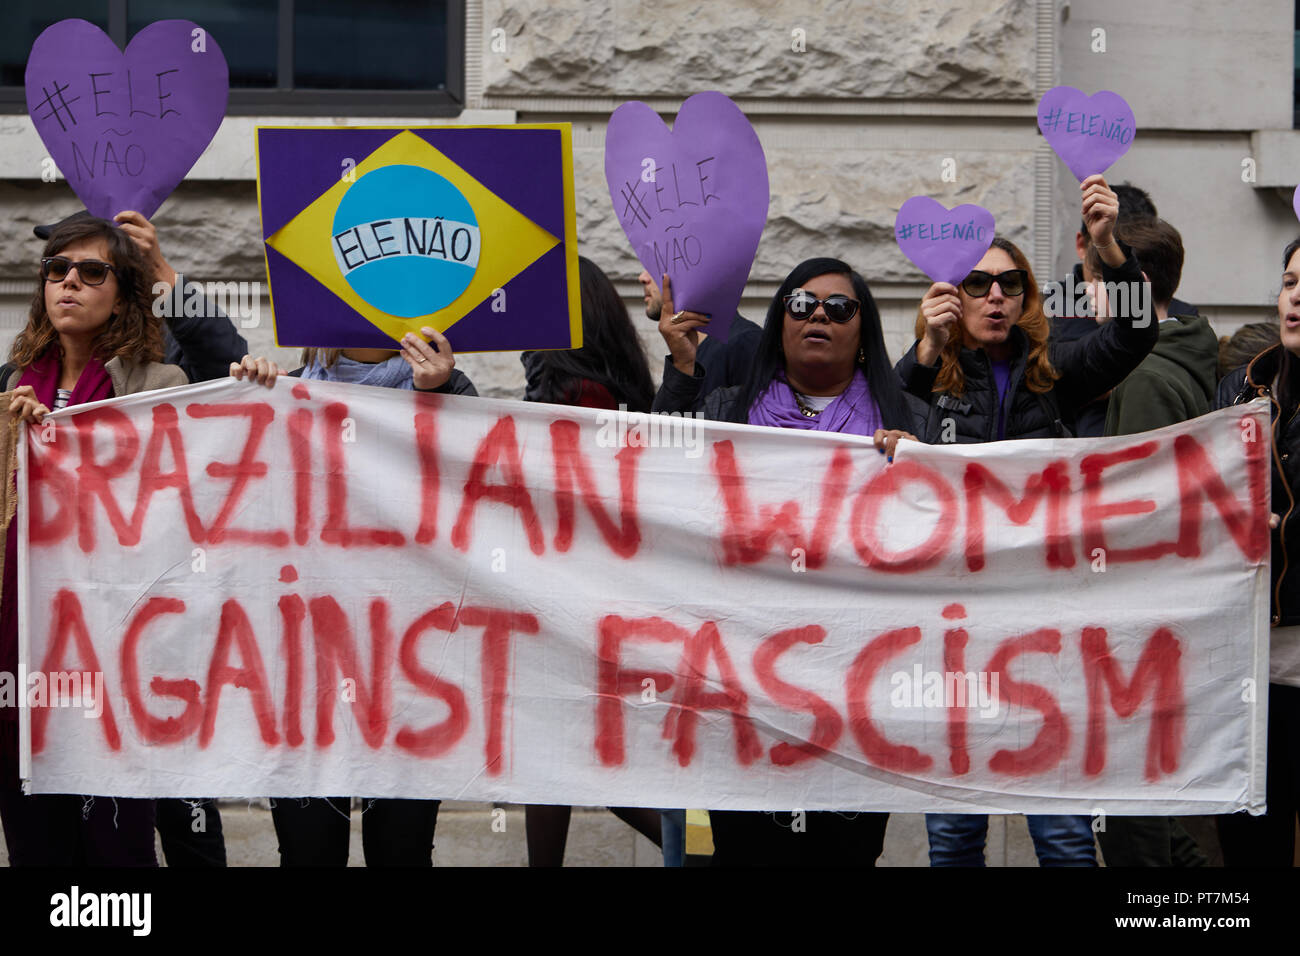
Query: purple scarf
x,y
853,411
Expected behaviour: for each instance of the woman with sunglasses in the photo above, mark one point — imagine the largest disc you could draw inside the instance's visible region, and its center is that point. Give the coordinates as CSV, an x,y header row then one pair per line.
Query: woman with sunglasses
x,y
91,334
1274,374
984,364
821,365
982,359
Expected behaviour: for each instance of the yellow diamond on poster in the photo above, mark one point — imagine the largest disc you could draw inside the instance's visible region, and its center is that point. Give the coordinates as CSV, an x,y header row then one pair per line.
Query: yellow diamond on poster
x,y
409,238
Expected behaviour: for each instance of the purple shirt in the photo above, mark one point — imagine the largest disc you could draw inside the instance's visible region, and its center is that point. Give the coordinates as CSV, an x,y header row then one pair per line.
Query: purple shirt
x,y
1002,377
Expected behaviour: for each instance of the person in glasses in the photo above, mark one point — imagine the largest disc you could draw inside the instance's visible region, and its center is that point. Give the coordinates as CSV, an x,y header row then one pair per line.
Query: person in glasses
x,y
90,335
983,362
821,365
982,359
202,345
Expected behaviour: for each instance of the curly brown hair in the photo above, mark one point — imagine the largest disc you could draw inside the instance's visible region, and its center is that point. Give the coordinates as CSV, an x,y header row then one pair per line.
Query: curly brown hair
x,y
132,333
1040,376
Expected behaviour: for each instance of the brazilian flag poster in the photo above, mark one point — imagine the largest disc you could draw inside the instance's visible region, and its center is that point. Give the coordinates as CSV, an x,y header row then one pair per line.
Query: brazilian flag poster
x,y
373,232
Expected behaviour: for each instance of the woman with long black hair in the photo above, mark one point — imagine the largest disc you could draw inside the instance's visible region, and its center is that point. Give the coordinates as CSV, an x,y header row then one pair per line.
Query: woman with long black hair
x,y
821,365
609,370
1274,373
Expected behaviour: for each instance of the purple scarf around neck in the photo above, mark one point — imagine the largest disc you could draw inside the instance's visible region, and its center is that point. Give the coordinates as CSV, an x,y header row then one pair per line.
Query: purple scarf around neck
x,y
853,411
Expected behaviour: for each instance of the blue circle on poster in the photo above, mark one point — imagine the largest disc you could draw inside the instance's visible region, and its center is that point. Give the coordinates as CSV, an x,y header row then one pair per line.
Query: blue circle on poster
x,y
406,240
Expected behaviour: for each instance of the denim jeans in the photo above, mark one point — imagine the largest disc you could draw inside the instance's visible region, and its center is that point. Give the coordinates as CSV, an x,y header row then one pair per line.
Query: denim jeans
x,y
673,829
957,839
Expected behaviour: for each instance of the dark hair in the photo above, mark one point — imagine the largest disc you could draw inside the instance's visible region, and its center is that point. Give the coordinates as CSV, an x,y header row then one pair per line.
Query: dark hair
x,y
1157,246
1247,342
1288,391
1134,203
879,371
133,333
611,353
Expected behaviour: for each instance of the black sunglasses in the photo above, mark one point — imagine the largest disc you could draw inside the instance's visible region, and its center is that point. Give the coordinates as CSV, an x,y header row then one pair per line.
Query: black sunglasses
x,y
838,308
90,271
1012,282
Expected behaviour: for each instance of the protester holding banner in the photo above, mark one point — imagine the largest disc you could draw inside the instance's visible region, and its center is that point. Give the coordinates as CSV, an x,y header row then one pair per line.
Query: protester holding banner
x,y
983,362
1274,374
822,366
90,335
314,831
203,346
608,371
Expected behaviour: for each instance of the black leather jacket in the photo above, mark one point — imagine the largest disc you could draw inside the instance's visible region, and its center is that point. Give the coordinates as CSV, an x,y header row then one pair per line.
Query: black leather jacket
x,y
1256,381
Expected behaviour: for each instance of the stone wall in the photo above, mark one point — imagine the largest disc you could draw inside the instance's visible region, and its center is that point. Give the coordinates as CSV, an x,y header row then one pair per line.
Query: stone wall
x,y
850,49
856,113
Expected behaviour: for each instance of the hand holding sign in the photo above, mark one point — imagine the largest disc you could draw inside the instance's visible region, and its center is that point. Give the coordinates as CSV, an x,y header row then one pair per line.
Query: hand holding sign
x,y
125,128
693,201
944,244
1089,133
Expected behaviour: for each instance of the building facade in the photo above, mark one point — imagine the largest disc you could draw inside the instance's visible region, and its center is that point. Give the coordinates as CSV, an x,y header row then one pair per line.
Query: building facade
x,y
859,105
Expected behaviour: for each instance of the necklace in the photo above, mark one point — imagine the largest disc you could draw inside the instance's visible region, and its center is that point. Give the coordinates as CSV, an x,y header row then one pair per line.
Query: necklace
x,y
806,410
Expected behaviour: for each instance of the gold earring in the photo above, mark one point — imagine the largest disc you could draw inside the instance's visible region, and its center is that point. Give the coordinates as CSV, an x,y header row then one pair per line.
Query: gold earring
x,y
862,356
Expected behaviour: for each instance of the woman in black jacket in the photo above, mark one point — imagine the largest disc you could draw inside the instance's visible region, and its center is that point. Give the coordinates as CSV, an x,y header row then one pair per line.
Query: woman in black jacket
x,y
982,360
1274,374
985,367
821,365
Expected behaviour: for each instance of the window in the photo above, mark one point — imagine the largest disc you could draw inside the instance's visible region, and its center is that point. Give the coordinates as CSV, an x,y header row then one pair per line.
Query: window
x,y
304,57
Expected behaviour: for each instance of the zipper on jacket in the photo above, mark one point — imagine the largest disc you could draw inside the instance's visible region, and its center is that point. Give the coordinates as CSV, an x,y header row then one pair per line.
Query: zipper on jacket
x,y
1281,529
1286,484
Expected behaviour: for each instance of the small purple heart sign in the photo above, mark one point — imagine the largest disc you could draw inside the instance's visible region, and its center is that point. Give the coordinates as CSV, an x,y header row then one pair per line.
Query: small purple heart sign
x,y
125,128
1089,133
944,243
693,201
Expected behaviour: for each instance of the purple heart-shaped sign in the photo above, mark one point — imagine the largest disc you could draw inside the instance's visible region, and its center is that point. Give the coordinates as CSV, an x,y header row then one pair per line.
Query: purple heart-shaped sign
x,y
693,201
1295,201
1088,132
944,243
125,128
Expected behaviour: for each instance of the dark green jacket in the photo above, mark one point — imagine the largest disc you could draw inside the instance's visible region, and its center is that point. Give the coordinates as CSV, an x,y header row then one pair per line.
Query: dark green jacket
x,y
1174,383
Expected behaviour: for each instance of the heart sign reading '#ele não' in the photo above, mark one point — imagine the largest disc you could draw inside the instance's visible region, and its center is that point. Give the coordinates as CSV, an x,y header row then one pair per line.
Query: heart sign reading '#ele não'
x,y
1089,133
125,128
944,243
693,201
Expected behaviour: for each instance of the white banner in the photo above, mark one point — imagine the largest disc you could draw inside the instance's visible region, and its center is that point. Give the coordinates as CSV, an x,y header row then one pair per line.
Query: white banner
x,y
324,589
